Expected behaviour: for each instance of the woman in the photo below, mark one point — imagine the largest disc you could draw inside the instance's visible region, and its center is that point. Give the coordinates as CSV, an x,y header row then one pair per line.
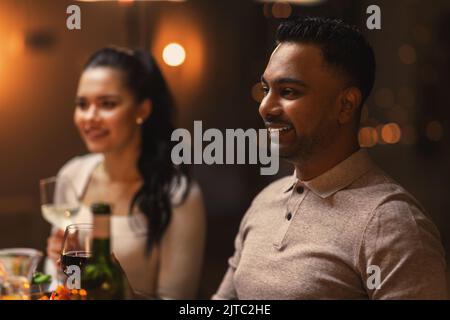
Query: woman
x,y
123,111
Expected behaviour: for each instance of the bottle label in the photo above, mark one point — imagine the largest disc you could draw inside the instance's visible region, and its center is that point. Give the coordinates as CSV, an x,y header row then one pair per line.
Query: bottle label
x,y
101,226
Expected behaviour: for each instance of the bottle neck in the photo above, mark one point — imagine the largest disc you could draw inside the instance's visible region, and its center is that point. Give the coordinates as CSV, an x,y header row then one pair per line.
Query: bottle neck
x,y
101,244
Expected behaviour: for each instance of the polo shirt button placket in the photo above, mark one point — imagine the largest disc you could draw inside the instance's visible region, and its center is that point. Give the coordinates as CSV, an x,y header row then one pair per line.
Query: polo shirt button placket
x,y
300,190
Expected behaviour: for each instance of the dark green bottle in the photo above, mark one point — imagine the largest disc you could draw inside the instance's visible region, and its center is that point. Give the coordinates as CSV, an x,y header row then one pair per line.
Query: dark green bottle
x,y
102,277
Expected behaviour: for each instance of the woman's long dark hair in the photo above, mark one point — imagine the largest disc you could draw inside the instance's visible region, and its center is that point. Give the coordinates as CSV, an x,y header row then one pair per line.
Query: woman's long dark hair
x,y
143,77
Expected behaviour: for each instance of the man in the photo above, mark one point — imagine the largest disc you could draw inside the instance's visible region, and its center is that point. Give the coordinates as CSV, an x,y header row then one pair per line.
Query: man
x,y
339,228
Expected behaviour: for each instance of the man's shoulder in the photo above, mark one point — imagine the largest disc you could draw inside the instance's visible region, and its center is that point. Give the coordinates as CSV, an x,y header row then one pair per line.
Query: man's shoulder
x,y
377,187
377,194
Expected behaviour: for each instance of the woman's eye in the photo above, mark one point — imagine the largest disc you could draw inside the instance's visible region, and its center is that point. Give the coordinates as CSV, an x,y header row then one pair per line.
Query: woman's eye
x,y
81,104
109,104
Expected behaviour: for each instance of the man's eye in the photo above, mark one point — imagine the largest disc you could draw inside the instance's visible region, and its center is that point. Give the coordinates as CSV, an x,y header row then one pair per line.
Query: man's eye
x,y
288,92
265,90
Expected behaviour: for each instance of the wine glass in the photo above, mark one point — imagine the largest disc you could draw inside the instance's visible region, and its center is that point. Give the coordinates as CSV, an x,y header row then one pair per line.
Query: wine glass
x,y
59,201
77,246
17,266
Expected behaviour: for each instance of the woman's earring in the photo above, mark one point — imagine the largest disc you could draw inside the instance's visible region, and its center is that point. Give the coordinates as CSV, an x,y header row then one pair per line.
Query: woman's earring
x,y
139,121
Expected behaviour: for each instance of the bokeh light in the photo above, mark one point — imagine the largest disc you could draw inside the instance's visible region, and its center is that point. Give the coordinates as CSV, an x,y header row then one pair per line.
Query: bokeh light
x,y
174,54
434,131
367,137
281,10
266,10
391,133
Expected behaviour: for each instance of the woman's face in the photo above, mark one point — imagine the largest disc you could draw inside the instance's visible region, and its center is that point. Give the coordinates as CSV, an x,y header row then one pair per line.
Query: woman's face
x,y
106,112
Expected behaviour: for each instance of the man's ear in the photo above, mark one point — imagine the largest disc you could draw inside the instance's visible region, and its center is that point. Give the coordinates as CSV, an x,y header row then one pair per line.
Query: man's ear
x,y
145,109
349,102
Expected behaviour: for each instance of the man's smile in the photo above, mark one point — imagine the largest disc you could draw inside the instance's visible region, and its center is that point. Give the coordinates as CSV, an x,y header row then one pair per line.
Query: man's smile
x,y
279,128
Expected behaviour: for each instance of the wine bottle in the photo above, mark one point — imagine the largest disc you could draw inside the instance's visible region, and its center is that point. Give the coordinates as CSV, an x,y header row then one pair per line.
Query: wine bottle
x,y
102,277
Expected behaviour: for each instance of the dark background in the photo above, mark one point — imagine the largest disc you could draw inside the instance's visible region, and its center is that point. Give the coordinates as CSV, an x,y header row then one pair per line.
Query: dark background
x,y
228,44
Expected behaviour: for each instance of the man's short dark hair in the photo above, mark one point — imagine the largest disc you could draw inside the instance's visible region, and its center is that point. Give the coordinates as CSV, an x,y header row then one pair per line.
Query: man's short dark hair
x,y
343,47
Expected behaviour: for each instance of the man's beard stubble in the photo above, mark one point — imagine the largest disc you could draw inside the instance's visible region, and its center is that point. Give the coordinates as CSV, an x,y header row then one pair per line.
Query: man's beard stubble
x,y
309,146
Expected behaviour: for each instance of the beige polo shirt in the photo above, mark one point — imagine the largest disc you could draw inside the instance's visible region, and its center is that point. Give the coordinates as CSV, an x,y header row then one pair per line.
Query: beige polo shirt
x,y
350,233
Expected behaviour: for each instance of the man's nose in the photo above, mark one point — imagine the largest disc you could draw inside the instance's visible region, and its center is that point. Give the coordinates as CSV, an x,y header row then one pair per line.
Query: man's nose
x,y
270,107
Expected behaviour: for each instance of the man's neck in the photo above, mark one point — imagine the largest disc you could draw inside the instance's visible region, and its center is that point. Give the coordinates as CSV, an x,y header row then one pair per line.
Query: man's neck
x,y
323,161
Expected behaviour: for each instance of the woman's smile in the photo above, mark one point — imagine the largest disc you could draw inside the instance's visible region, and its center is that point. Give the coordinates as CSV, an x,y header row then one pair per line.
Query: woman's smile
x,y
95,134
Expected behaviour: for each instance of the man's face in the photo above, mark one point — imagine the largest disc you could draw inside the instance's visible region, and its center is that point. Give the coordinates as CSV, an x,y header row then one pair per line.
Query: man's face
x,y
301,100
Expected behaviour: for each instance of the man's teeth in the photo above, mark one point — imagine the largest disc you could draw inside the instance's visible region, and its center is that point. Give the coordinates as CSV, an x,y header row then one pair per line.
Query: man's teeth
x,y
273,130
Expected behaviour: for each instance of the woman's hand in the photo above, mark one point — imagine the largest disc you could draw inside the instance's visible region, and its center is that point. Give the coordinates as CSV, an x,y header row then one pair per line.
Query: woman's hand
x,y
54,245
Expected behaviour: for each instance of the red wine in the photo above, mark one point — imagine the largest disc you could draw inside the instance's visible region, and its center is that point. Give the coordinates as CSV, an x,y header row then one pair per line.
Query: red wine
x,y
78,258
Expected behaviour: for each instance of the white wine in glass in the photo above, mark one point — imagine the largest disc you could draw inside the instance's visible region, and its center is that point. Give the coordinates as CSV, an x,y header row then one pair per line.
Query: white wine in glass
x,y
59,201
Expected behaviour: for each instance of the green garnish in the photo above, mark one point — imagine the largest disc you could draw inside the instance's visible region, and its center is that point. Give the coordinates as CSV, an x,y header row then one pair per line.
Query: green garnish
x,y
40,278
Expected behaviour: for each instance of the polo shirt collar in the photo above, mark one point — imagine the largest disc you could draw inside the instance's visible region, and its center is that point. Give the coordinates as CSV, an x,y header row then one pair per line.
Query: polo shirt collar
x,y
338,177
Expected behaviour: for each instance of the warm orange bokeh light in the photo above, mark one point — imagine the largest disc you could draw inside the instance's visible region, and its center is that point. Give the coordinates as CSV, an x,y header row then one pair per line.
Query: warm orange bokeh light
x,y
180,27
391,133
281,10
174,55
367,137
434,131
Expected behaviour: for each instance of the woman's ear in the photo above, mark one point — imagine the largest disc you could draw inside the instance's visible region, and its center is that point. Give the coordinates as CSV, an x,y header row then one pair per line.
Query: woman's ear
x,y
145,109
349,103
